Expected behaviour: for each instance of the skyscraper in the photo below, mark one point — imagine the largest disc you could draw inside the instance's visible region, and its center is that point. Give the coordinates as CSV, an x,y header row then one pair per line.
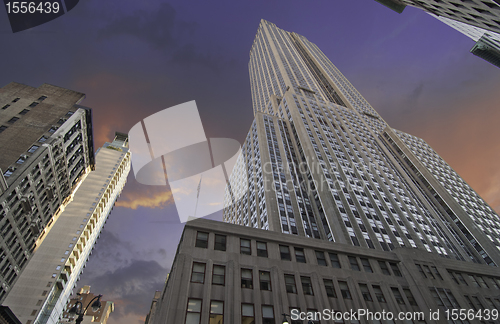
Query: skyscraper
x,y
43,288
46,149
356,214
480,13
487,44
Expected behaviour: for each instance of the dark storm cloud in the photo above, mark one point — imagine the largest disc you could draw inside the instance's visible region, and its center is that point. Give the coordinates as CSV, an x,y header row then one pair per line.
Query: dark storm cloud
x,y
155,28
131,287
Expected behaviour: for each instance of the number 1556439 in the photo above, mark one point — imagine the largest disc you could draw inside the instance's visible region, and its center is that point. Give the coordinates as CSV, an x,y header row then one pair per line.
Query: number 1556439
x,y
23,7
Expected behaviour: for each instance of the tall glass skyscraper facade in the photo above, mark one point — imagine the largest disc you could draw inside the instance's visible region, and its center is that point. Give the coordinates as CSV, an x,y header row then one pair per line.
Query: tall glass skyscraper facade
x,y
322,163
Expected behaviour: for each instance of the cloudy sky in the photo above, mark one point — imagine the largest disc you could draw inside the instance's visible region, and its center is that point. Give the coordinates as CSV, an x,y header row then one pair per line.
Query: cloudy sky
x,y
134,58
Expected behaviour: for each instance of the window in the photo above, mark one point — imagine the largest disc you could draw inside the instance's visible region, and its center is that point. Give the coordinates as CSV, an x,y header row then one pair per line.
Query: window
x,y
21,159
436,272
262,249
16,100
13,120
395,269
198,274
421,270
334,258
428,272
320,256
409,296
24,112
5,107
2,128
330,288
461,278
267,314
33,148
474,281
344,289
365,292
219,274
290,284
245,247
265,280
42,98
482,283
33,104
216,312
247,315
383,267
299,255
42,139
201,240
285,253
193,311
354,263
379,294
220,242
246,278
366,265
306,285
398,296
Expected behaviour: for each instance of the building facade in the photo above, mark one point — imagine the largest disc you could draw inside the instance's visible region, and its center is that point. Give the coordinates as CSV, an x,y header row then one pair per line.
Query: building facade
x,y
46,149
44,287
487,44
358,214
484,14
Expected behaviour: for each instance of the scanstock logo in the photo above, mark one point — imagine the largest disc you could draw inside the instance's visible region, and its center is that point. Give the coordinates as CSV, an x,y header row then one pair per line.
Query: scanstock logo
x,y
28,14
169,148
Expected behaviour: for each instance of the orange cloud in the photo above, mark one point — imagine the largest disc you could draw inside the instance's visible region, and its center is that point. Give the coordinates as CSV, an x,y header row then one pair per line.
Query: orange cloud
x,y
136,200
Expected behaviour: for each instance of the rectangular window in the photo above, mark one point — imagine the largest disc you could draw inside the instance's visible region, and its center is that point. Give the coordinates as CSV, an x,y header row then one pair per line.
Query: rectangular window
x,y
344,289
290,284
245,247
383,267
24,112
13,120
306,285
216,312
198,274
267,314
42,98
220,242
265,280
365,292
421,270
5,107
334,258
366,265
193,311
247,314
398,296
246,278
219,275
436,272
262,249
42,139
33,104
201,240
409,296
395,269
285,253
482,283
474,281
379,294
2,128
320,256
33,148
299,255
330,288
354,263
461,278
428,272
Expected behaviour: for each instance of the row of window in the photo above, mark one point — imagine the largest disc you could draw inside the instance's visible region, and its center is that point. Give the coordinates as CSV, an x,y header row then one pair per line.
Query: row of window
x,y
219,272
355,263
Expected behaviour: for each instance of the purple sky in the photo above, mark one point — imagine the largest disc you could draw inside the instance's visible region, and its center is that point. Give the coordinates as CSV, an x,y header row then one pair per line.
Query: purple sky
x,y
134,58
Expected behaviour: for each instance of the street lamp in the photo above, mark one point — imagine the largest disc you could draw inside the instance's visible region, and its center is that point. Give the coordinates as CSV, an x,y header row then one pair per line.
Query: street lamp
x,y
75,310
285,321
